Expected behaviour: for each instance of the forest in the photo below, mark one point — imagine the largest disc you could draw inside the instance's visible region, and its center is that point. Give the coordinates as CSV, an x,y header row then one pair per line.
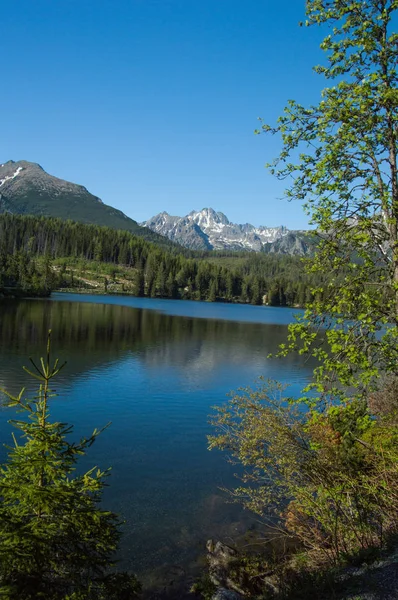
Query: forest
x,y
41,254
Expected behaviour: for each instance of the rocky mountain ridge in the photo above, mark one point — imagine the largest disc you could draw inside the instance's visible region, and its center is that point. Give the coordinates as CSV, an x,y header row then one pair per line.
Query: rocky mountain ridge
x,y
210,230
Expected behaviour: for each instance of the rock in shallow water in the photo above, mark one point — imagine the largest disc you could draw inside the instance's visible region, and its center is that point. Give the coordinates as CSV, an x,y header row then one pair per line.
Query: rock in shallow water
x,y
224,594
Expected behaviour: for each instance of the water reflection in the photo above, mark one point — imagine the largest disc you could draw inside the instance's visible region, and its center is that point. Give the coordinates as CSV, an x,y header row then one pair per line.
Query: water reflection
x,y
155,376
92,334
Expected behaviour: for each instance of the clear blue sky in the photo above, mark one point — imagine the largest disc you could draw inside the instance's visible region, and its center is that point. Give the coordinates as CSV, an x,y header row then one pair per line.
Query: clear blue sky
x,y
151,104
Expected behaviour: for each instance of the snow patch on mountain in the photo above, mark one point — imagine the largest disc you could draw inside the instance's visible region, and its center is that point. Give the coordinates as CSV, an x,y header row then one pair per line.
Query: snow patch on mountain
x,y
8,177
208,229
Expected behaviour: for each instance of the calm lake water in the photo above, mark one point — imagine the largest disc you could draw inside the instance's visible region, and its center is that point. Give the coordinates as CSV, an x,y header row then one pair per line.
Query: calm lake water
x,y
154,368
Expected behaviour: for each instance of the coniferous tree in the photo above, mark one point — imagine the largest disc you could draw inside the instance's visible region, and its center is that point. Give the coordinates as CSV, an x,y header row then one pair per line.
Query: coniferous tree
x,y
213,291
171,286
55,540
139,282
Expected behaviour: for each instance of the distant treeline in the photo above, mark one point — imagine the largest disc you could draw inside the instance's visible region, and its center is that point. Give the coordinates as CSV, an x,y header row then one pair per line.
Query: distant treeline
x,y
40,254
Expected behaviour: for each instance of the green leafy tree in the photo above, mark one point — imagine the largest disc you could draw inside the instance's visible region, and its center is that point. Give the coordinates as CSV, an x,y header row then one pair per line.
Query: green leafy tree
x,y
342,157
55,540
327,470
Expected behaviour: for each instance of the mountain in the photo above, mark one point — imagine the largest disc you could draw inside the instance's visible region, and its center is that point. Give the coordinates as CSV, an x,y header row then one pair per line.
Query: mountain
x,y
211,230
295,243
25,188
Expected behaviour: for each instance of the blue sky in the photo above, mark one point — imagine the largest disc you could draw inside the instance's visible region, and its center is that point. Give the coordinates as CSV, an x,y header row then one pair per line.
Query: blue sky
x,y
152,104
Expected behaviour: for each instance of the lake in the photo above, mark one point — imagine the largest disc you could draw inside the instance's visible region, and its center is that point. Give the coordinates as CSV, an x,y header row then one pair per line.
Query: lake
x,y
154,368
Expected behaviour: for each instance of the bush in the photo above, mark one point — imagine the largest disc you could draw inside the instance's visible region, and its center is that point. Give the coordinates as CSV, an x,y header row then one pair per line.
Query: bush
x,y
325,478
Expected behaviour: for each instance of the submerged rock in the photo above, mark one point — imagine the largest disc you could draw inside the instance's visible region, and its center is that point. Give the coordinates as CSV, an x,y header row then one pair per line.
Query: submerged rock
x,y
224,594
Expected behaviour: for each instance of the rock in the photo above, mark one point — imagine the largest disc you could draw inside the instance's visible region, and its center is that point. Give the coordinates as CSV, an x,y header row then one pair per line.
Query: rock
x,y
221,558
224,594
210,230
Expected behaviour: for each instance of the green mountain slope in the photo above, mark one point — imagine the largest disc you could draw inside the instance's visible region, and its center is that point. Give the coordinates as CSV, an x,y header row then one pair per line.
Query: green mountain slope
x,y
25,188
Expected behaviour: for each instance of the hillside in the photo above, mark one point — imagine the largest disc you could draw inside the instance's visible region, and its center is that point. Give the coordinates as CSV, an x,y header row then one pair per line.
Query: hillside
x,y
26,189
47,253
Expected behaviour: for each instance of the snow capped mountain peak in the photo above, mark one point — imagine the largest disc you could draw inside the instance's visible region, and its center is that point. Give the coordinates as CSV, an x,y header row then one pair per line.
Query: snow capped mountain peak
x,y
208,219
207,230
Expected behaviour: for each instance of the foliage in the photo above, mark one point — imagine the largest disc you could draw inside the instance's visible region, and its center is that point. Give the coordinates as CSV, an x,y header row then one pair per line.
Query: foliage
x,y
323,470
20,274
55,540
328,480
204,587
342,157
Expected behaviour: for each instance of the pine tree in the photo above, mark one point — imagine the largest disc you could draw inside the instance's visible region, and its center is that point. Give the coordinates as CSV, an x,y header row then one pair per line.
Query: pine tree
x,y
55,540
213,291
139,282
171,286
